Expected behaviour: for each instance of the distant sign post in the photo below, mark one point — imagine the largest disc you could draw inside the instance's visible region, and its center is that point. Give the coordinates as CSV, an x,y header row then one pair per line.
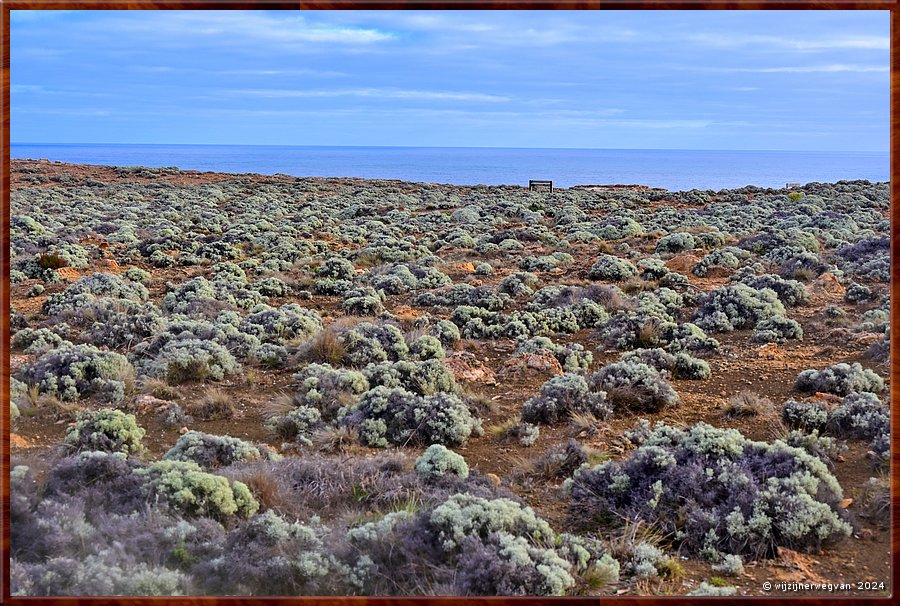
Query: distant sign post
x,y
537,185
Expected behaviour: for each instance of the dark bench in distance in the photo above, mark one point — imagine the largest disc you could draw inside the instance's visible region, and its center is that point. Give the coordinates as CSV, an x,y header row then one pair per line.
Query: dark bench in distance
x,y
538,185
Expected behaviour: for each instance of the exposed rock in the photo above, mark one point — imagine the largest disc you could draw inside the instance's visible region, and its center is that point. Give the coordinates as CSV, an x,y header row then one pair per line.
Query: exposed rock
x,y
770,351
825,286
405,312
798,567
866,340
69,274
682,263
146,404
108,266
523,362
466,367
464,268
17,441
828,398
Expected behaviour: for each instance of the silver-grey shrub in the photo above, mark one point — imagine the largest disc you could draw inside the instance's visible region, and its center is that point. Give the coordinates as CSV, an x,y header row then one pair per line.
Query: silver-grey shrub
x,y
40,340
470,545
367,342
438,462
269,555
776,330
364,301
71,372
572,357
735,307
88,289
328,389
791,292
859,416
190,491
857,293
190,359
210,451
427,347
676,242
729,257
634,386
807,416
386,416
679,365
106,430
421,377
563,395
446,332
612,268
283,324
840,379
518,284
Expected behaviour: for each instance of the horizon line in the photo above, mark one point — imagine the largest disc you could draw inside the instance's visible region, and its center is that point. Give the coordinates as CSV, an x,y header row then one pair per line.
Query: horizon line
x,y
845,151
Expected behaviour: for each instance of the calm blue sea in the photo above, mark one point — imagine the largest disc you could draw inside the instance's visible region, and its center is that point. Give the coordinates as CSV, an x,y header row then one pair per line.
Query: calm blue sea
x,y
671,169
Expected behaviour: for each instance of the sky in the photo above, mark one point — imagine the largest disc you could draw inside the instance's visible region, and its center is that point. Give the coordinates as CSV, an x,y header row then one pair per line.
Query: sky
x,y
755,80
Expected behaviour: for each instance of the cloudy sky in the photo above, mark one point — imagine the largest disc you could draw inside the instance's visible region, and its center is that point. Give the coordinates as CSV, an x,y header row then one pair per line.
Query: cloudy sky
x,y
769,80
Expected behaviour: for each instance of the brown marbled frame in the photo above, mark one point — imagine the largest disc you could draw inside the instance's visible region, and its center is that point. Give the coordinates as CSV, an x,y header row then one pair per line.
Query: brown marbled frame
x,y
6,5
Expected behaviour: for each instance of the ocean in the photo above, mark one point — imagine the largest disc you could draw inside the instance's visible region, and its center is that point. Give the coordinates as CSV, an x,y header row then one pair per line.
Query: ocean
x,y
670,169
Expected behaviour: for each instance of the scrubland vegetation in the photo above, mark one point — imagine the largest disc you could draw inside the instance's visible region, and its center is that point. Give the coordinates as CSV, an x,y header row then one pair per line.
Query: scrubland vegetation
x,y
247,385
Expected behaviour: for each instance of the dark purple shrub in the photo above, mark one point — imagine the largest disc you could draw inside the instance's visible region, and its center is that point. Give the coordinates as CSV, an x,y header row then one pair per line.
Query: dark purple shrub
x,y
860,416
560,397
103,480
714,491
331,487
268,555
468,545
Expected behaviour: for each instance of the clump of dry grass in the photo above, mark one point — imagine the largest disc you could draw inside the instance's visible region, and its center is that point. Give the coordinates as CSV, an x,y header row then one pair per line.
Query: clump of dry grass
x,y
632,533
367,260
267,490
279,405
748,404
556,463
625,397
324,348
479,403
52,261
585,423
635,534
609,297
649,332
213,405
159,389
602,246
875,500
276,408
194,370
59,410
637,285
334,440
502,429
652,236
252,377
802,274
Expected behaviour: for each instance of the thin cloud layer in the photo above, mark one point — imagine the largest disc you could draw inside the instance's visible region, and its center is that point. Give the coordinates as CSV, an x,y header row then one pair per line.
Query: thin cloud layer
x,y
615,79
